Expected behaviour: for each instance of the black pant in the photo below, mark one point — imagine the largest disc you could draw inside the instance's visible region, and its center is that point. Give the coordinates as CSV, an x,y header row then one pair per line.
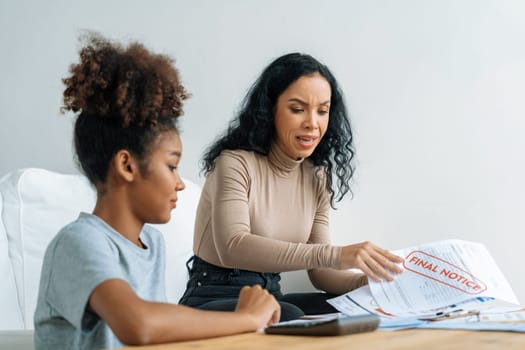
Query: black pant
x,y
212,287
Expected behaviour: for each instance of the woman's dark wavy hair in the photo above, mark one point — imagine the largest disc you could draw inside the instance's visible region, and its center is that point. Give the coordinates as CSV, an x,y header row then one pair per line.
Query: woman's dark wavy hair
x,y
254,129
125,98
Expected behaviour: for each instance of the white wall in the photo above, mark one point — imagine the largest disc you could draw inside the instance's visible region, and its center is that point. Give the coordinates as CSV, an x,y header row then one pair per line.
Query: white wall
x,y
435,90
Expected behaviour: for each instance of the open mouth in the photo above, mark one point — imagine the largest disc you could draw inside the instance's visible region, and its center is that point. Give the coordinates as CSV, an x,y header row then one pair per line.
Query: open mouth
x,y
306,141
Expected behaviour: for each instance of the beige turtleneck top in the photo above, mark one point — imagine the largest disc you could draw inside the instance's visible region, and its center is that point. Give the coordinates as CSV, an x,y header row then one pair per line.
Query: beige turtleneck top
x,y
269,214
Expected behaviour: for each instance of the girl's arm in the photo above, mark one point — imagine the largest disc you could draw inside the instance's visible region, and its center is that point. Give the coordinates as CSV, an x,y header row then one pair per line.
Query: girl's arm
x,y
137,322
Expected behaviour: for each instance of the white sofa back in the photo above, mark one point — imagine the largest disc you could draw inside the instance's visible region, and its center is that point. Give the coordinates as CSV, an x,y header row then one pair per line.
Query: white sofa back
x,y
35,204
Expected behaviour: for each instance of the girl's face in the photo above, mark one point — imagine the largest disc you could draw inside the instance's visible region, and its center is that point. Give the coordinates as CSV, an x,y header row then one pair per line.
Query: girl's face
x,y
155,191
302,114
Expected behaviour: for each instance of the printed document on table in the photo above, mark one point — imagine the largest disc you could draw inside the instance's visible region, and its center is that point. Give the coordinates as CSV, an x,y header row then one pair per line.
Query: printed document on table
x,y
440,274
360,301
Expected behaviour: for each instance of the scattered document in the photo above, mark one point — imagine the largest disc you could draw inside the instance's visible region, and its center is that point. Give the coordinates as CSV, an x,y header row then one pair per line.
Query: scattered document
x,y
360,301
451,283
476,326
441,274
397,323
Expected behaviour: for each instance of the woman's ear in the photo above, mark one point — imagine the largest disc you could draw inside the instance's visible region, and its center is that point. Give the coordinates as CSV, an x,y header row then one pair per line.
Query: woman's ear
x,y
125,165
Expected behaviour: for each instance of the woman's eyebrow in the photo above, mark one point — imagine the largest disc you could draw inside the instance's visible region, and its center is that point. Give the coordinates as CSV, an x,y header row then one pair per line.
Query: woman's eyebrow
x,y
295,99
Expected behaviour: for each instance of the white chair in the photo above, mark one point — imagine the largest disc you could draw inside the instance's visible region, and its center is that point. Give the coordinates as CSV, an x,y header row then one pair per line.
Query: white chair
x,y
34,205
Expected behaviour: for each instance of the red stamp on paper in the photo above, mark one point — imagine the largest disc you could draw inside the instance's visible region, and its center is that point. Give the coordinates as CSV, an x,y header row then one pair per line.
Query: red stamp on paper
x,y
443,272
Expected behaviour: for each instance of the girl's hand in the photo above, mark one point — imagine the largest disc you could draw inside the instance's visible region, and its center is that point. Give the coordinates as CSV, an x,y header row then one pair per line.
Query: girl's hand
x,y
260,305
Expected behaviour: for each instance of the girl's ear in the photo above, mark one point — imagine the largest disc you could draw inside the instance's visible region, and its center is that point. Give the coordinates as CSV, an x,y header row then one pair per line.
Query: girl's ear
x,y
125,165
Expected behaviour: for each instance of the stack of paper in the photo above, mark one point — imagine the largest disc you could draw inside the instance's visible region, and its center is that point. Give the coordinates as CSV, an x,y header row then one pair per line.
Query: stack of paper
x,y
444,280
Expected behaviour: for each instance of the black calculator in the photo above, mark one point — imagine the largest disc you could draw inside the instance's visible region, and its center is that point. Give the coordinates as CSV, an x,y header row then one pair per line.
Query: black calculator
x,y
335,325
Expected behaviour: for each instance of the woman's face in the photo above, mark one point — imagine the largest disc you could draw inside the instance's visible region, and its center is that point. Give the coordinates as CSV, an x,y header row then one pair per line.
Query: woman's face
x,y
302,114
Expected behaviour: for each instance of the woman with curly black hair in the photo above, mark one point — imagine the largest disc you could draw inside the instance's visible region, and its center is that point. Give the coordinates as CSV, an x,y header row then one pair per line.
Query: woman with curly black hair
x,y
102,282
271,180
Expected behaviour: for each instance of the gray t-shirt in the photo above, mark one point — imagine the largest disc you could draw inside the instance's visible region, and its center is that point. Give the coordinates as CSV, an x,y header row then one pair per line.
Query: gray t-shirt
x,y
84,254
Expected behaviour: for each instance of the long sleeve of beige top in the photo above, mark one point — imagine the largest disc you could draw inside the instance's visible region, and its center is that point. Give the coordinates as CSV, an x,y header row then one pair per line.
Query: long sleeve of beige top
x,y
269,214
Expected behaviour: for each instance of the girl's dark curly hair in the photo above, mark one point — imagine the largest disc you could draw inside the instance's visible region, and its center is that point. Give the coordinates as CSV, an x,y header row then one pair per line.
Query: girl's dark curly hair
x,y
124,97
254,128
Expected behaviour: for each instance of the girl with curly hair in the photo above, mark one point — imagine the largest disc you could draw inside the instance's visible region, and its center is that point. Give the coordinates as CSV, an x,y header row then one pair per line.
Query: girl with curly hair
x,y
101,284
271,180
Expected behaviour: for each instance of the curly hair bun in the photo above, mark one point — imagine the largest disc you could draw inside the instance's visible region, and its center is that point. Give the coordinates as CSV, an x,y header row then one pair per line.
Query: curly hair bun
x,y
125,84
